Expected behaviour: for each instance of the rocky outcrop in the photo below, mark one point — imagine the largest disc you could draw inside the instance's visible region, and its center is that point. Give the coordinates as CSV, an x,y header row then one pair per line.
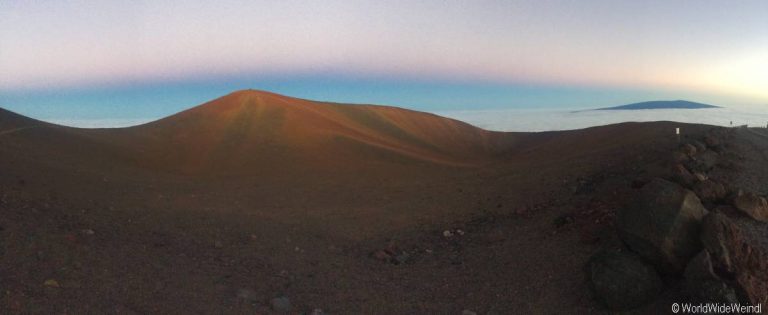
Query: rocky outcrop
x,y
663,225
720,256
621,280
739,248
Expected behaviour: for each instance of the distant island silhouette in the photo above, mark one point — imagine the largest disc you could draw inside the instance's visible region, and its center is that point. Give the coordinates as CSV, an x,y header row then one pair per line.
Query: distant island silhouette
x,y
679,104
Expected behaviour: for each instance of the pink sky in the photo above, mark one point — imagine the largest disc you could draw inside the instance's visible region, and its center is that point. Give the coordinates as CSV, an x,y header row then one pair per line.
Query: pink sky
x,y
713,46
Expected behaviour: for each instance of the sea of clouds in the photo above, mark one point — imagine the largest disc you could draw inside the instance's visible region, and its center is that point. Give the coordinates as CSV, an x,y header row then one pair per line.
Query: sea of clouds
x,y
532,120
99,123
548,120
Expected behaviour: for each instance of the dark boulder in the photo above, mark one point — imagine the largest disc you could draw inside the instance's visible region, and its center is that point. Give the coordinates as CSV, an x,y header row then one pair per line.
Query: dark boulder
x,y
700,147
709,190
621,280
682,176
662,225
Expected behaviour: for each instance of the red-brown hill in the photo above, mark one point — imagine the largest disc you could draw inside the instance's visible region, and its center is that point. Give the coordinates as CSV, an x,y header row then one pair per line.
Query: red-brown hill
x,y
261,131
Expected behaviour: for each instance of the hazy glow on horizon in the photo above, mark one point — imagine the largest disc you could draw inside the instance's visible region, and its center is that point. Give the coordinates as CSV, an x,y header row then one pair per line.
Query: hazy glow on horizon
x,y
719,46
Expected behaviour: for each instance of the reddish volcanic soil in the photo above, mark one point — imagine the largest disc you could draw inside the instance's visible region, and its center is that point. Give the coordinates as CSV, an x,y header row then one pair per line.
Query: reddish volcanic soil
x,y
253,196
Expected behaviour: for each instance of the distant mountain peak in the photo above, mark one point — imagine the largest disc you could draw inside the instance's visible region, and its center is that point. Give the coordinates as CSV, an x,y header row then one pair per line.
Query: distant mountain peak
x,y
676,104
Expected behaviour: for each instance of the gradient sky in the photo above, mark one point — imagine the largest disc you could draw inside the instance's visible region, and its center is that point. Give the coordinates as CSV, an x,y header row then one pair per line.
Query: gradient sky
x,y
138,59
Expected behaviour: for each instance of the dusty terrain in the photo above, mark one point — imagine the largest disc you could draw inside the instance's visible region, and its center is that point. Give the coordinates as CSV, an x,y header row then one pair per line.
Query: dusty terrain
x,y
254,196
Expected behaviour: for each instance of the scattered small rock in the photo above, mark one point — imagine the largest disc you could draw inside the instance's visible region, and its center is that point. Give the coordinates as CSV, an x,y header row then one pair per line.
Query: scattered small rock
x,y
281,304
88,232
447,233
51,283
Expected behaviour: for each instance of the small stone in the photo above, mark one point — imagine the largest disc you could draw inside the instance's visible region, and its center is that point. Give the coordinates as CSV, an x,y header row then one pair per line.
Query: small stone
x,y
51,283
247,295
447,233
281,304
460,232
88,232
391,249
402,258
381,255
701,177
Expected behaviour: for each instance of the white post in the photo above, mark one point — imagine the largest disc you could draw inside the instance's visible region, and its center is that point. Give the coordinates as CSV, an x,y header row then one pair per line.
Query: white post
x,y
677,132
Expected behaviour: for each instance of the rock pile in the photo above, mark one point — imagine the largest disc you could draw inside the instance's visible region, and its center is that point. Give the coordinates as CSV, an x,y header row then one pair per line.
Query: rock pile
x,y
688,228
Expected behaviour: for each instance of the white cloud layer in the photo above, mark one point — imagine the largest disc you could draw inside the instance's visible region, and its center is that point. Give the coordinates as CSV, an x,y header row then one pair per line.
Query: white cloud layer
x,y
547,120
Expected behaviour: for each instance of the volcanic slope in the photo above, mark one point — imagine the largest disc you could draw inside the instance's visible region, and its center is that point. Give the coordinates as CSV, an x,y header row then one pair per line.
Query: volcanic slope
x,y
256,131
